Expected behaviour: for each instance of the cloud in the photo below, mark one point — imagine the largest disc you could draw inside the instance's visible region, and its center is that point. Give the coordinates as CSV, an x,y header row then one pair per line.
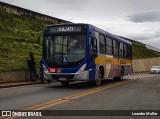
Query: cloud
x,y
135,19
147,16
67,5
157,34
146,37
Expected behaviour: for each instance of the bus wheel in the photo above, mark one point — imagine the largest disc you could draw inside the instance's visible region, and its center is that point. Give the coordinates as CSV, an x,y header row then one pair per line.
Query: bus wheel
x,y
122,74
64,83
98,78
122,71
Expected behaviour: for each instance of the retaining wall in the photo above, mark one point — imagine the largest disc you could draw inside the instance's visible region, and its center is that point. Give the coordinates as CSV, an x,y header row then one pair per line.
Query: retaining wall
x,y
14,76
144,65
28,13
139,65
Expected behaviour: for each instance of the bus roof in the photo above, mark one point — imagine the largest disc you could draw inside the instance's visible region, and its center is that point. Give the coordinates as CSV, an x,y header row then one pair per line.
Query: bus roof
x,y
108,34
92,27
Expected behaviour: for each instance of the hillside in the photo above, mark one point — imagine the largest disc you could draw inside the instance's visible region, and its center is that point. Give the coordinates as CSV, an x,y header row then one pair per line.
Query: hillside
x,y
141,52
18,37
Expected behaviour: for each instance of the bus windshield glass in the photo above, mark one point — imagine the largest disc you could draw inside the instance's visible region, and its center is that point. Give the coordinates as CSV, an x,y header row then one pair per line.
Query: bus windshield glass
x,y
62,50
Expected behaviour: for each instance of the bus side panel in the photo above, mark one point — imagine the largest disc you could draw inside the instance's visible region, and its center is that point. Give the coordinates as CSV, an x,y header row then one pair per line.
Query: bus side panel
x,y
92,70
117,66
107,63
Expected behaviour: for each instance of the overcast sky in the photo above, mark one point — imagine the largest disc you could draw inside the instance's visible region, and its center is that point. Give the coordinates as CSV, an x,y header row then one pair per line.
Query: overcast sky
x,y
134,19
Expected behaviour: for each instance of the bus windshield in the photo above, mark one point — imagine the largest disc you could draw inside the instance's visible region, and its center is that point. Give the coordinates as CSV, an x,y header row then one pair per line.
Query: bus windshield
x,y
62,50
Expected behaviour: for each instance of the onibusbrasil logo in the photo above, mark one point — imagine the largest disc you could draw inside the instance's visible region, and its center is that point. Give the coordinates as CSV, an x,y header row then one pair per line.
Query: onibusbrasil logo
x,y
21,113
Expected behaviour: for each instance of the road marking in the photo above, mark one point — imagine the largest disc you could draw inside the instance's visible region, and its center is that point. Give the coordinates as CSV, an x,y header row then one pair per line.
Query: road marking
x,y
74,96
52,103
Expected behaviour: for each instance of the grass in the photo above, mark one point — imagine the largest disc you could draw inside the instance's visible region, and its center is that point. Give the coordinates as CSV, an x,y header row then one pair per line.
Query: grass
x,y
141,52
18,37
14,55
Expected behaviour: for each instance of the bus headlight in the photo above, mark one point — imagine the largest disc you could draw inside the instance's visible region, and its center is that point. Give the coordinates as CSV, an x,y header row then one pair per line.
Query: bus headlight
x,y
82,76
82,68
47,76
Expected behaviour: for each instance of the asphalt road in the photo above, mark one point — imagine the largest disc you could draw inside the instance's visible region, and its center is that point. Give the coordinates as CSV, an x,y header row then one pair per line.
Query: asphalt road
x,y
135,92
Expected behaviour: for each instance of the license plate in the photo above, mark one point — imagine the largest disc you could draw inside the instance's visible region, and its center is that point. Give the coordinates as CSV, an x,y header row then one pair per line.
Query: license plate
x,y
62,79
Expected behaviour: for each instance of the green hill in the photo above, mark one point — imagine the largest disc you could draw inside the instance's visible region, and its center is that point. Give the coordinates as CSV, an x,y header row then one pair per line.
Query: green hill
x,y
18,37
141,52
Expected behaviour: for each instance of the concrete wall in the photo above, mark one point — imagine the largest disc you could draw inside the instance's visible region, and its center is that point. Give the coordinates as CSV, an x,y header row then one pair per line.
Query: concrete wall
x,y
144,65
139,65
14,76
28,13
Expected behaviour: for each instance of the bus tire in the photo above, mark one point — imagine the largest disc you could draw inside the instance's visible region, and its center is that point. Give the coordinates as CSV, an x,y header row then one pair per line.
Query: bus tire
x,y
119,78
98,78
122,71
64,83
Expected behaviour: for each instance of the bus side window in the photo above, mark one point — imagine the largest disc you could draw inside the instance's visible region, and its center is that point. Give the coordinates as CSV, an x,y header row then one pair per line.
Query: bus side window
x,y
108,46
125,50
101,44
129,51
93,46
121,49
115,48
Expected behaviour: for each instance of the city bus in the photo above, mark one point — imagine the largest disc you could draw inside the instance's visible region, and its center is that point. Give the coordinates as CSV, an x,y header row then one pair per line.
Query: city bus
x,y
83,52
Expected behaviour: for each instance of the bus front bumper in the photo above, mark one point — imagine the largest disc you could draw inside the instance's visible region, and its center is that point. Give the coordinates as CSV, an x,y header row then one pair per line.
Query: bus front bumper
x,y
81,76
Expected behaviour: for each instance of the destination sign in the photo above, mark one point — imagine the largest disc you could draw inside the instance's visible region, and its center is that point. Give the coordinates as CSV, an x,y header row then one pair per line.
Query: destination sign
x,y
65,29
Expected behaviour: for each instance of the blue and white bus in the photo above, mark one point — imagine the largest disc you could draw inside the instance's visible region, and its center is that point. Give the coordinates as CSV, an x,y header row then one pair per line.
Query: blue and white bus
x,y
83,52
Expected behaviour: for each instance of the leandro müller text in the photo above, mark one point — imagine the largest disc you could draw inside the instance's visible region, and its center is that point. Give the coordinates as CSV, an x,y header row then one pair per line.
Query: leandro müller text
x,y
144,113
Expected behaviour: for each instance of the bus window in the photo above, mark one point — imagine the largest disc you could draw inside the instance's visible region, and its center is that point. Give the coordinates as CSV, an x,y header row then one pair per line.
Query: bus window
x,y
125,50
67,48
115,48
101,44
129,51
121,49
49,47
109,46
93,46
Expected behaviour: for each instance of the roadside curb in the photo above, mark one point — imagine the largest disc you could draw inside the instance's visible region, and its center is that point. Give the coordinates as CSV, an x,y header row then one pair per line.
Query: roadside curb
x,y
137,73
7,85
